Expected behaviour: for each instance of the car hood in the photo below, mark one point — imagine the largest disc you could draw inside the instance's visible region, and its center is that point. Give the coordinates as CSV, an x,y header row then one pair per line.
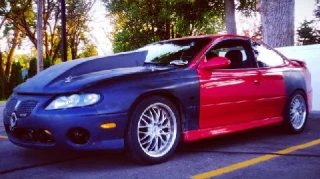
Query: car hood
x,y
73,76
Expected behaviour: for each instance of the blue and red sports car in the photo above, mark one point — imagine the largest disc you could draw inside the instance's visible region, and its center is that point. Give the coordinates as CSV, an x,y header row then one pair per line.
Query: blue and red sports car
x,y
149,99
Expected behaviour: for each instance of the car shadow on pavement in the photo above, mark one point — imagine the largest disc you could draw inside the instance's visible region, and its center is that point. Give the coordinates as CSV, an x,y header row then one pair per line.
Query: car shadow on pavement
x,y
250,136
106,160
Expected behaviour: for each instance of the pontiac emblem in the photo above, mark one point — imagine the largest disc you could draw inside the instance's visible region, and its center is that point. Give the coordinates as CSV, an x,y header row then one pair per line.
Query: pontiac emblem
x,y
13,121
68,79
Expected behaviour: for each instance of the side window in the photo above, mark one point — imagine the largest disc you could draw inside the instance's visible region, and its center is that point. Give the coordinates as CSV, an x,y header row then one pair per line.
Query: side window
x,y
265,56
236,54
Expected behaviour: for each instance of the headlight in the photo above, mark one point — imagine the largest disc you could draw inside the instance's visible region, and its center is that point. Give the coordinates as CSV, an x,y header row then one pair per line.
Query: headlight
x,y
75,100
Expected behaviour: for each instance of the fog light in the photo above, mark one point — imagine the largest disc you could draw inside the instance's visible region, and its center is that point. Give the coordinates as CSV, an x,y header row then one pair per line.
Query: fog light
x,y
78,135
108,125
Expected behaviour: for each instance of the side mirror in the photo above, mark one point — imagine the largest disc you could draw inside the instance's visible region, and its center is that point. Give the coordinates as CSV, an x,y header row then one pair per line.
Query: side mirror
x,y
215,63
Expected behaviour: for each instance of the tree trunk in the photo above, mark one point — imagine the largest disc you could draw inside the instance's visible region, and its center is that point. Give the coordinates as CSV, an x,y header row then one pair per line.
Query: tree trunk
x,y
167,29
229,19
15,43
277,18
3,75
172,31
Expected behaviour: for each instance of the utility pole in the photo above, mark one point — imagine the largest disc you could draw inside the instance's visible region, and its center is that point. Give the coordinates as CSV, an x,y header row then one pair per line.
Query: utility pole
x,y
63,31
39,37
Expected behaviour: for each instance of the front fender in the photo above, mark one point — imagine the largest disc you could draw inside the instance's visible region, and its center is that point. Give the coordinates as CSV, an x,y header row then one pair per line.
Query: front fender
x,y
120,96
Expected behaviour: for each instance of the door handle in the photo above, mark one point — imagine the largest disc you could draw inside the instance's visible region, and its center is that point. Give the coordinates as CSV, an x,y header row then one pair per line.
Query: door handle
x,y
256,82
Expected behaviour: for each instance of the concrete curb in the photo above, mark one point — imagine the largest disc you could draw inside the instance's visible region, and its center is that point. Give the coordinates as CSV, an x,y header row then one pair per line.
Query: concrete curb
x,y
314,114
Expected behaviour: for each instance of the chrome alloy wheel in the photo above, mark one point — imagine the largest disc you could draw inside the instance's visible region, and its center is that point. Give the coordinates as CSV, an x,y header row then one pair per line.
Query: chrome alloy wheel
x,y
157,130
298,112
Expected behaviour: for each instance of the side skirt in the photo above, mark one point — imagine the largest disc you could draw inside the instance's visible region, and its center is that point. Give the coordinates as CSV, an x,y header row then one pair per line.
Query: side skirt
x,y
193,135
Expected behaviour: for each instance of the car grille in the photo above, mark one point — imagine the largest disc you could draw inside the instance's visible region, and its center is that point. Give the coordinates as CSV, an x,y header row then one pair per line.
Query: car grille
x,y
24,108
11,105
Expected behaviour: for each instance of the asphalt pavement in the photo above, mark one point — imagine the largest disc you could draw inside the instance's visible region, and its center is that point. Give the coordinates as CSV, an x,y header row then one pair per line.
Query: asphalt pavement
x,y
261,153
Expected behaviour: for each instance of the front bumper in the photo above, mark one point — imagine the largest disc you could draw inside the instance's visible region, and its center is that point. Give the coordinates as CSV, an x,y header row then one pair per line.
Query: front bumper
x,y
60,122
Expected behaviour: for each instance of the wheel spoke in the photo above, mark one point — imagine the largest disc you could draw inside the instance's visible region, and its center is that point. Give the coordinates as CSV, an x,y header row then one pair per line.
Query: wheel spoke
x,y
158,115
140,127
144,137
149,143
162,141
166,134
155,145
152,120
148,117
163,118
167,126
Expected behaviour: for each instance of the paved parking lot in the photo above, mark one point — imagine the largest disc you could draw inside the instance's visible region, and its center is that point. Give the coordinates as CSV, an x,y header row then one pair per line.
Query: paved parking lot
x,y
263,153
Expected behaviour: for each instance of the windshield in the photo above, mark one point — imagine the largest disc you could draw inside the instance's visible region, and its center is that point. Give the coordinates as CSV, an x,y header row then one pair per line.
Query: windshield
x,y
177,52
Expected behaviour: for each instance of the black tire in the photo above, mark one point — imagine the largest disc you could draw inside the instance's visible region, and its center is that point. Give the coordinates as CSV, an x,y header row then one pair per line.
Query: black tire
x,y
288,124
136,137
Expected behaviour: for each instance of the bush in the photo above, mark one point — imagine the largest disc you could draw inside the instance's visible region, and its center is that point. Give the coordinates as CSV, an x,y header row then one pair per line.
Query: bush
x,y
16,76
47,63
32,67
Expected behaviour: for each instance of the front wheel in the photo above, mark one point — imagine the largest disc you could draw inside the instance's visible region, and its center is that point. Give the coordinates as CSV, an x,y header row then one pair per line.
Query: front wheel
x,y
153,132
296,113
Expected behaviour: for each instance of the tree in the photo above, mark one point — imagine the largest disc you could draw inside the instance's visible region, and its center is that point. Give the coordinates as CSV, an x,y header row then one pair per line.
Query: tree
x,y
78,14
32,68
89,51
47,63
2,90
15,77
307,34
14,39
139,22
317,10
230,21
22,16
19,13
277,18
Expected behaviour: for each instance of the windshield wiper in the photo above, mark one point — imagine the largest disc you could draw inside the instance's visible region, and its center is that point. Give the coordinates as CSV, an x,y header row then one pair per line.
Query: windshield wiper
x,y
156,64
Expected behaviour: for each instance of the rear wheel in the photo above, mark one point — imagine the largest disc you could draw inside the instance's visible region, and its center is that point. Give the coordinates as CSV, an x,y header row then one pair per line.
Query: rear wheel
x,y
296,113
153,131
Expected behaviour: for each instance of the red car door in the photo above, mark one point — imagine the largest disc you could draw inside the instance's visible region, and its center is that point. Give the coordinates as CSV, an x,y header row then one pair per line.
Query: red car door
x,y
228,97
271,65
233,95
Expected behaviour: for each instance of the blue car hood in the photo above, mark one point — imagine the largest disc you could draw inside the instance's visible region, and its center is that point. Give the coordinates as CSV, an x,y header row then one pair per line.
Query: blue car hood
x,y
73,76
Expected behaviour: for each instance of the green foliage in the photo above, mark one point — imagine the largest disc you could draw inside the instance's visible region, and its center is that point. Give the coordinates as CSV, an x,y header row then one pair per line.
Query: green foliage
x,y
47,62
139,22
247,7
20,14
32,68
89,51
307,34
16,76
78,15
24,60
